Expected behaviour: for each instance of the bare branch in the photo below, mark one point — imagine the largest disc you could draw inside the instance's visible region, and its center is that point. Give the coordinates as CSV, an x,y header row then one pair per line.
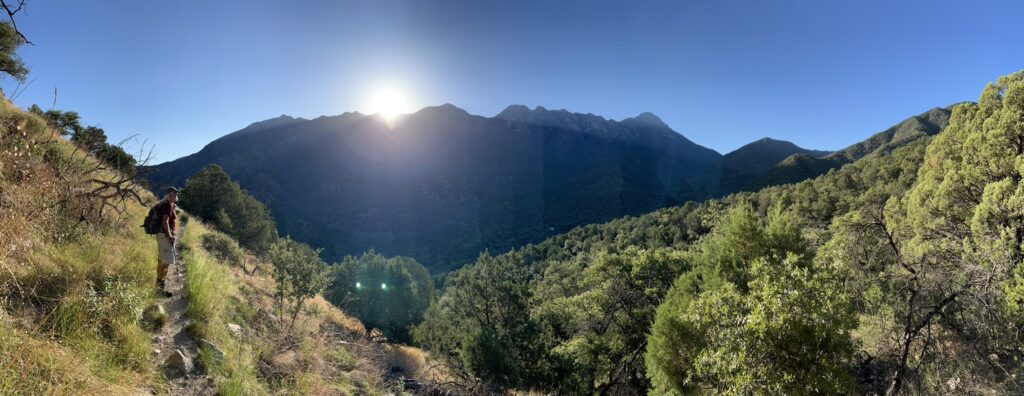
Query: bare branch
x,y
10,15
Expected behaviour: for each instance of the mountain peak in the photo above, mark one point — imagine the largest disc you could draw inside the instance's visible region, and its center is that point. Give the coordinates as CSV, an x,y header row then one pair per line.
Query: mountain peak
x,y
278,121
768,144
646,119
516,111
557,118
446,108
772,150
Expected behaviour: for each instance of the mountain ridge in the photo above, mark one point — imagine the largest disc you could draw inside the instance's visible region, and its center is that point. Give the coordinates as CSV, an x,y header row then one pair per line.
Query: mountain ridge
x,y
441,184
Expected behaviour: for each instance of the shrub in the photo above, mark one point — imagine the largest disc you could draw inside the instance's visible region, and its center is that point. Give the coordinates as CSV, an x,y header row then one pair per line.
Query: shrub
x,y
211,195
299,274
223,248
389,294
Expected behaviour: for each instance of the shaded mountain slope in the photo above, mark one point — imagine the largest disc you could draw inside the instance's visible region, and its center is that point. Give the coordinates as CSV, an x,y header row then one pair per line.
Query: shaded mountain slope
x,y
442,185
802,166
748,163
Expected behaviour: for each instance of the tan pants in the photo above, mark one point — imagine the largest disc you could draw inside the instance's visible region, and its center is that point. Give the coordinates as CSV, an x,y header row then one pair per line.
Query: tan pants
x,y
165,255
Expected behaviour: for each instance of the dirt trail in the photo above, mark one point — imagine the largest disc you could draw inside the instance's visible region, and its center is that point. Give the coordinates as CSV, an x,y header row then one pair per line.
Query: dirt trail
x,y
174,337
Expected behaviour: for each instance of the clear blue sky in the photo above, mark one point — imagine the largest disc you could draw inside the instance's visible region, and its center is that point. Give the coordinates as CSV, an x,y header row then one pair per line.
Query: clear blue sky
x,y
822,74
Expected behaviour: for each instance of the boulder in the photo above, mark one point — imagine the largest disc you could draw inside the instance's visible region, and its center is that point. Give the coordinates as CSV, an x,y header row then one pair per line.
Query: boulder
x,y
217,353
178,363
235,329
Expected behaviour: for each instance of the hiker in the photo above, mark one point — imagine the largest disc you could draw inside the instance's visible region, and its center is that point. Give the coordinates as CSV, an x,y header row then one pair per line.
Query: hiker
x,y
167,213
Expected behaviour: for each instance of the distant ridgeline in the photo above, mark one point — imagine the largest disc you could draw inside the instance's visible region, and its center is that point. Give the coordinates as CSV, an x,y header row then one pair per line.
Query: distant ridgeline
x,y
444,185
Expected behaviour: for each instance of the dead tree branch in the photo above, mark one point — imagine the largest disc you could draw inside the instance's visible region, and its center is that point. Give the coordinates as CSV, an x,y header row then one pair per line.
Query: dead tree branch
x,y
12,9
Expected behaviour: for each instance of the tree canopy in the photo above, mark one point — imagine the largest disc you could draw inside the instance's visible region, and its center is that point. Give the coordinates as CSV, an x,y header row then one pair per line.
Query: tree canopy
x,y
214,197
389,294
895,274
10,63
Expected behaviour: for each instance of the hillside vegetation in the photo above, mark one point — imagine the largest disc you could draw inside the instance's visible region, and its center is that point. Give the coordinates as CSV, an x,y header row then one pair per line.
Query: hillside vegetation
x,y
898,273
73,278
77,270
442,185
803,166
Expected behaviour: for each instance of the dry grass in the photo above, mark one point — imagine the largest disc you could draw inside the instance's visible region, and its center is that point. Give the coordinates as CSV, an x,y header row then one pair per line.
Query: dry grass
x,y
314,358
71,286
73,283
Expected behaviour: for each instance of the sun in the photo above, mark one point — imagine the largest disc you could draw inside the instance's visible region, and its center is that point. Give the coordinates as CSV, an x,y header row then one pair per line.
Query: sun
x,y
389,103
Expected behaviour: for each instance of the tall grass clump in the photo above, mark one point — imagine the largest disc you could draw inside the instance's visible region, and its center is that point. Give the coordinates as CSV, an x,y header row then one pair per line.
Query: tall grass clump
x,y
211,287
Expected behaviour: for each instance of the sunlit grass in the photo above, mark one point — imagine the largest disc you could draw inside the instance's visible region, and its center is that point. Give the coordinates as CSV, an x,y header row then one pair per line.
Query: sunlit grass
x,y
210,288
88,296
71,290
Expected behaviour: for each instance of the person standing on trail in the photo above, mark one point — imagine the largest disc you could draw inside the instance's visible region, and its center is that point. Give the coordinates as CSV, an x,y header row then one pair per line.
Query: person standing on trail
x,y
168,217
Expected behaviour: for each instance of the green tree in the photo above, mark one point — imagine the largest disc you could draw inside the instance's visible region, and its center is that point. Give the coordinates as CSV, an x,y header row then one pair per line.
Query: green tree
x,y
481,324
10,63
118,159
214,197
954,245
299,274
389,294
67,123
756,315
594,315
91,139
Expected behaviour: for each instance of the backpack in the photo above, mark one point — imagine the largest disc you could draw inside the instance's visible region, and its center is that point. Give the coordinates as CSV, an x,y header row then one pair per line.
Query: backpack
x,y
152,222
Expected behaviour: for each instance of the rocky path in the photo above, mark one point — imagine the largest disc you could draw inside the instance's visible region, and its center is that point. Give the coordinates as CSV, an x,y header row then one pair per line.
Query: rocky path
x,y
177,351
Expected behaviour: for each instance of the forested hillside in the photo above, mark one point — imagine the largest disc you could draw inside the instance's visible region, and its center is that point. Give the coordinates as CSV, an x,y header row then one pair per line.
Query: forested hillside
x,y
897,273
442,185
803,166
534,252
743,168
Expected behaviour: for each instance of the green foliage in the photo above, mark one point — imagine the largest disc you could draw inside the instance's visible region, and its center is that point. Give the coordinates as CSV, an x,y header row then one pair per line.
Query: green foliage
x,y
91,139
485,309
10,63
389,294
957,235
68,123
802,167
94,141
594,315
117,158
548,281
212,196
223,248
341,357
299,274
754,296
212,293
